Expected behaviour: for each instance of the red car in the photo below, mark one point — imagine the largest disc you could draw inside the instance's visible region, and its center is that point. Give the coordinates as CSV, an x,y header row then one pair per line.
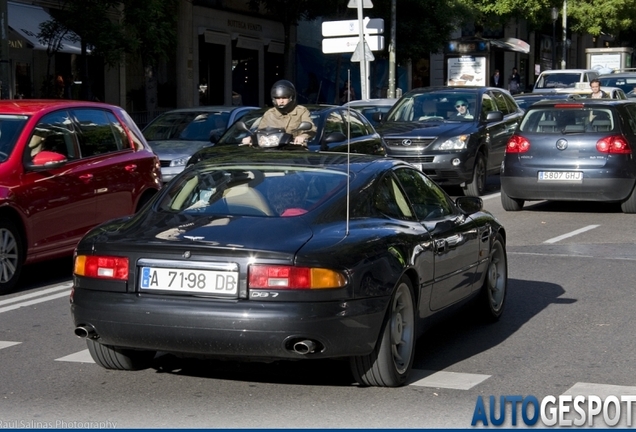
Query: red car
x,y
65,166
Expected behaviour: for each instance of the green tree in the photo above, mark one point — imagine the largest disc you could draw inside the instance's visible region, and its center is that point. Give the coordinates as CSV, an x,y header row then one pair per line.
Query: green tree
x,y
95,24
152,31
51,34
289,13
594,17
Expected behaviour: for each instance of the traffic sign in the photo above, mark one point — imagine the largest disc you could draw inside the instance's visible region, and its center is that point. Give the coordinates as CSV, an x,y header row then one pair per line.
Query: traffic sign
x,y
365,4
349,44
351,27
357,54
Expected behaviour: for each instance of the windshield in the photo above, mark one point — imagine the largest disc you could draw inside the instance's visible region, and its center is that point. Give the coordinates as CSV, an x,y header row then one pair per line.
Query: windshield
x,y
189,126
568,118
628,85
434,106
558,80
252,190
10,128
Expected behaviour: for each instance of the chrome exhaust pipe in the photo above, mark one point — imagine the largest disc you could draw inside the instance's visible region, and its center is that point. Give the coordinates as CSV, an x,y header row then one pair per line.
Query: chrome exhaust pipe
x,y
305,347
86,332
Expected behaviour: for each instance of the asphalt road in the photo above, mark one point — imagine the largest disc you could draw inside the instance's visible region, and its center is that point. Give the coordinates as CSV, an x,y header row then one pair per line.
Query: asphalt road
x,y
568,329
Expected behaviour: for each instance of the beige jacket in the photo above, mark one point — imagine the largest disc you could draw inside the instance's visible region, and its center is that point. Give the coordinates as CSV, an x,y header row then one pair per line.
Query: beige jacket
x,y
289,122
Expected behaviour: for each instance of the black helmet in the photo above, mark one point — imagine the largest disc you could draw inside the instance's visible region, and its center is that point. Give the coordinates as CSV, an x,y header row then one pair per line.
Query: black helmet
x,y
284,89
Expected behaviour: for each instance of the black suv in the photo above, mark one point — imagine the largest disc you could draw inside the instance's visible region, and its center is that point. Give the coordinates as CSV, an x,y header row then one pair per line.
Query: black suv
x,y
456,135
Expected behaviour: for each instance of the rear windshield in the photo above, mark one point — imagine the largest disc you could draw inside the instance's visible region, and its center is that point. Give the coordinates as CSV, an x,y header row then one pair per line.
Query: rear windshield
x,y
568,119
189,126
270,191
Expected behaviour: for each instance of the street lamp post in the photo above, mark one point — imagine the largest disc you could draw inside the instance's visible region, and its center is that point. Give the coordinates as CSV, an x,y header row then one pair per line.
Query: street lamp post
x,y
565,33
555,16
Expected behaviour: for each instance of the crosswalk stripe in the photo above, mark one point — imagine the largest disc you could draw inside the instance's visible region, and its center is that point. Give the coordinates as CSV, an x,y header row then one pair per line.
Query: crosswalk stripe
x,y
36,301
600,390
55,288
7,344
448,380
79,357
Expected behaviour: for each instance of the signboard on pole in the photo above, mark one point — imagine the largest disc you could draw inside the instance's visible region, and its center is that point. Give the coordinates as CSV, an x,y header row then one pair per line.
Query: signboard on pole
x,y
349,44
351,28
366,4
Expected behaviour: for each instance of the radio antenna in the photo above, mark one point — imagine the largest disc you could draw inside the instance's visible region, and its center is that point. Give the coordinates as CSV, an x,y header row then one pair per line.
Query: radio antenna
x,y
348,147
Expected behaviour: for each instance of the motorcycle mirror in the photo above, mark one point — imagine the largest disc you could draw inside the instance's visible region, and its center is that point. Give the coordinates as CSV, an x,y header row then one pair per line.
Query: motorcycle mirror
x,y
304,126
242,126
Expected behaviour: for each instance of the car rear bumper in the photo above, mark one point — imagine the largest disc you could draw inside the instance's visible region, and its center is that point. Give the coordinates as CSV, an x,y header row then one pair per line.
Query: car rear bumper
x,y
589,189
231,328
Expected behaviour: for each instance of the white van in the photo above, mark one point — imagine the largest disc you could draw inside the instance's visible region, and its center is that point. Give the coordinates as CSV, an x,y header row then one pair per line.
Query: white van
x,y
551,80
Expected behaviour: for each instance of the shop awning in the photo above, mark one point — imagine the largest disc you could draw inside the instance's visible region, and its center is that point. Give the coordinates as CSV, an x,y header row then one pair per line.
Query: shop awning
x,y
26,19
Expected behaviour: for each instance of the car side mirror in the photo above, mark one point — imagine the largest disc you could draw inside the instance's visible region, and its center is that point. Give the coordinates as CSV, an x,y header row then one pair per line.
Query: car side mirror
x,y
46,160
494,116
469,204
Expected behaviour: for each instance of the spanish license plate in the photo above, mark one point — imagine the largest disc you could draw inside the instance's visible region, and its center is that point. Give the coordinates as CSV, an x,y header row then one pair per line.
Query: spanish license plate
x,y
193,281
560,176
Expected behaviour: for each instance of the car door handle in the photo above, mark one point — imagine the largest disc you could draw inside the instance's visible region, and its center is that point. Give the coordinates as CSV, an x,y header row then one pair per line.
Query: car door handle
x,y
131,167
86,177
440,246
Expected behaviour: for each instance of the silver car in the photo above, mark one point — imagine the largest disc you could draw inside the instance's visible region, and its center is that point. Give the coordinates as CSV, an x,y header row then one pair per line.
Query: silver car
x,y
176,135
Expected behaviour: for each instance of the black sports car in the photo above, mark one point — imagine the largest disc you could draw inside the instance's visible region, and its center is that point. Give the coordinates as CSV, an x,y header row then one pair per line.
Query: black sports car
x,y
287,255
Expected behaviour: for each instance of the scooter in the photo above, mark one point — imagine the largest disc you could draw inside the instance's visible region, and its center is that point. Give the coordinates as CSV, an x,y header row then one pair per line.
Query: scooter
x,y
273,138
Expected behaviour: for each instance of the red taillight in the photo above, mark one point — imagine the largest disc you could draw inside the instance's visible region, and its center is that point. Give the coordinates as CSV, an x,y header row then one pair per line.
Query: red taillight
x,y
103,267
517,144
290,277
613,144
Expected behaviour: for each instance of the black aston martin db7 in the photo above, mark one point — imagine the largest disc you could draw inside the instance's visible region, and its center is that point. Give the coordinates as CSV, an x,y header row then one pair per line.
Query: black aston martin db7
x,y
287,255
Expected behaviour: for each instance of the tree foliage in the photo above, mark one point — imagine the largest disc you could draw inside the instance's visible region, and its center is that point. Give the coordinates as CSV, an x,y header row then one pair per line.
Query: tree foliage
x,y
594,17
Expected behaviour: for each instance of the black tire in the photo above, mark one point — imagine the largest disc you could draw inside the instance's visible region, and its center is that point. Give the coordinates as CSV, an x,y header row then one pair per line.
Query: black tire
x,y
492,297
477,186
510,204
629,205
119,359
390,362
11,255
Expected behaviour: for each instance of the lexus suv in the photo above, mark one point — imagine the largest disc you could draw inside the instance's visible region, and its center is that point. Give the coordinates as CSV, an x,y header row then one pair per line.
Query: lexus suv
x,y
456,135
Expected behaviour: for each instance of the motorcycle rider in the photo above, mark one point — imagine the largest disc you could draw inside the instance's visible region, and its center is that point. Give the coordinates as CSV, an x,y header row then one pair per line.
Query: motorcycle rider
x,y
286,114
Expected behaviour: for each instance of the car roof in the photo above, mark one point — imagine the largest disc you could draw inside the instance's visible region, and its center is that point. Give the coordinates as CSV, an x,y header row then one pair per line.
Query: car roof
x,y
211,108
619,75
454,89
562,71
371,102
582,101
33,106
